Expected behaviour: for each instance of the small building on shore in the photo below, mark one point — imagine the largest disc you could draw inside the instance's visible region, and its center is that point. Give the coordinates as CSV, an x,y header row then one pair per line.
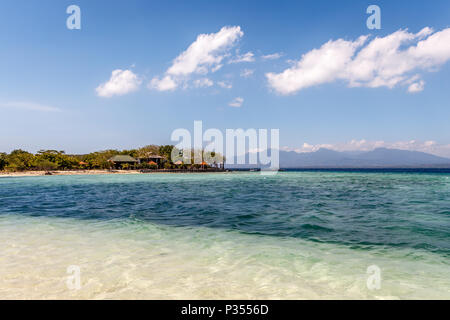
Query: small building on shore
x,y
119,161
152,159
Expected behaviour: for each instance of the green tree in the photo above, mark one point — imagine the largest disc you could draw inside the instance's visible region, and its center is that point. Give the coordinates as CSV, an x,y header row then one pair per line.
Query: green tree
x,y
147,151
46,165
166,152
132,152
58,158
167,165
99,160
3,160
20,160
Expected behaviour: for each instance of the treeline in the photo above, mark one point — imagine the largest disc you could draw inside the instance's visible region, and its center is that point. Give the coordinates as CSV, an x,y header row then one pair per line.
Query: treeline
x,y
19,160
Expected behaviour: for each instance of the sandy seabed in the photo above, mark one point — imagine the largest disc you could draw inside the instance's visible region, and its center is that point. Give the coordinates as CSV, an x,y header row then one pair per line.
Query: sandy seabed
x,y
126,260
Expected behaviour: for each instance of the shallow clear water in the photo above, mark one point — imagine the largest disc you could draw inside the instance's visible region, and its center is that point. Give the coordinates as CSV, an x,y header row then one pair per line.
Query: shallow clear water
x,y
294,235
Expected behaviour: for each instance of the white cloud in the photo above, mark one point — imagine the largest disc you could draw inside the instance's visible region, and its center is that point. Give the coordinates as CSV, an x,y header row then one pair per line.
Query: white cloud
x,y
316,67
382,62
164,84
272,56
247,57
30,106
206,51
416,86
247,73
364,145
120,83
204,55
236,102
203,82
225,84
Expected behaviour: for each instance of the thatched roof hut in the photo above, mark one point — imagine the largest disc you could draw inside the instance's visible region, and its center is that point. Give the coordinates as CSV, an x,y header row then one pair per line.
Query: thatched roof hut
x,y
123,159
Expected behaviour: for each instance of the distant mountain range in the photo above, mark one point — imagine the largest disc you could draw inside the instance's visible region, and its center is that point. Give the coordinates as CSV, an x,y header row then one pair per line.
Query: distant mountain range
x,y
377,158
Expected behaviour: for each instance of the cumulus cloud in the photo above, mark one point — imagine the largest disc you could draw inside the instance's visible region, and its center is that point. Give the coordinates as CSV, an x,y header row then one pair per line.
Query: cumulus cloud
x,y
247,73
382,62
164,84
416,86
316,67
247,57
204,55
120,83
236,102
364,145
30,106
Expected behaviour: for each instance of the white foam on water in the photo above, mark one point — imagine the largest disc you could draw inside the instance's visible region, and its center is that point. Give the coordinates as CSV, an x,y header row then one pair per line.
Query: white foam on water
x,y
139,260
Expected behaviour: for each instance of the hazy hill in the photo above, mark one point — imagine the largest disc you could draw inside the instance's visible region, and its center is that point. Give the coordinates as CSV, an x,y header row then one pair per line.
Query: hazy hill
x,y
381,157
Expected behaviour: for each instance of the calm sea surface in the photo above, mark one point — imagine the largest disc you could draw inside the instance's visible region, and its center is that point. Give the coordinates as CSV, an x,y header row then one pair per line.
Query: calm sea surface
x,y
294,235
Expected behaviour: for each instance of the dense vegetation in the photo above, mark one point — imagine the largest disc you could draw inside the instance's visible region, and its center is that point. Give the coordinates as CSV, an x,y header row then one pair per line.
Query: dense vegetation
x,y
19,160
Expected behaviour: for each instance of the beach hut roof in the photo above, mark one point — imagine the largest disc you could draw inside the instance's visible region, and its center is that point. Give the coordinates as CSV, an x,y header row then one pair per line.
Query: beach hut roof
x,y
152,162
122,158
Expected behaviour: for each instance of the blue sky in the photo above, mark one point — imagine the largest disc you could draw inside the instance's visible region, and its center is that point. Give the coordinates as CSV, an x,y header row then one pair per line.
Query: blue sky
x,y
50,75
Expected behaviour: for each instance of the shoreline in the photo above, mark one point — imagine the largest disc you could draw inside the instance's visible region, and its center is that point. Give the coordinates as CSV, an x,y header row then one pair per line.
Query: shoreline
x,y
63,173
94,172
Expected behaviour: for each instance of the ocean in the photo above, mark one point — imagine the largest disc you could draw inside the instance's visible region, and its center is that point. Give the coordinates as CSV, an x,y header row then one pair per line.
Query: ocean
x,y
239,235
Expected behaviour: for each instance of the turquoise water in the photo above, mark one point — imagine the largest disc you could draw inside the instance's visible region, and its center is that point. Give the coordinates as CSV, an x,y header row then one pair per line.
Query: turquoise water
x,y
294,235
